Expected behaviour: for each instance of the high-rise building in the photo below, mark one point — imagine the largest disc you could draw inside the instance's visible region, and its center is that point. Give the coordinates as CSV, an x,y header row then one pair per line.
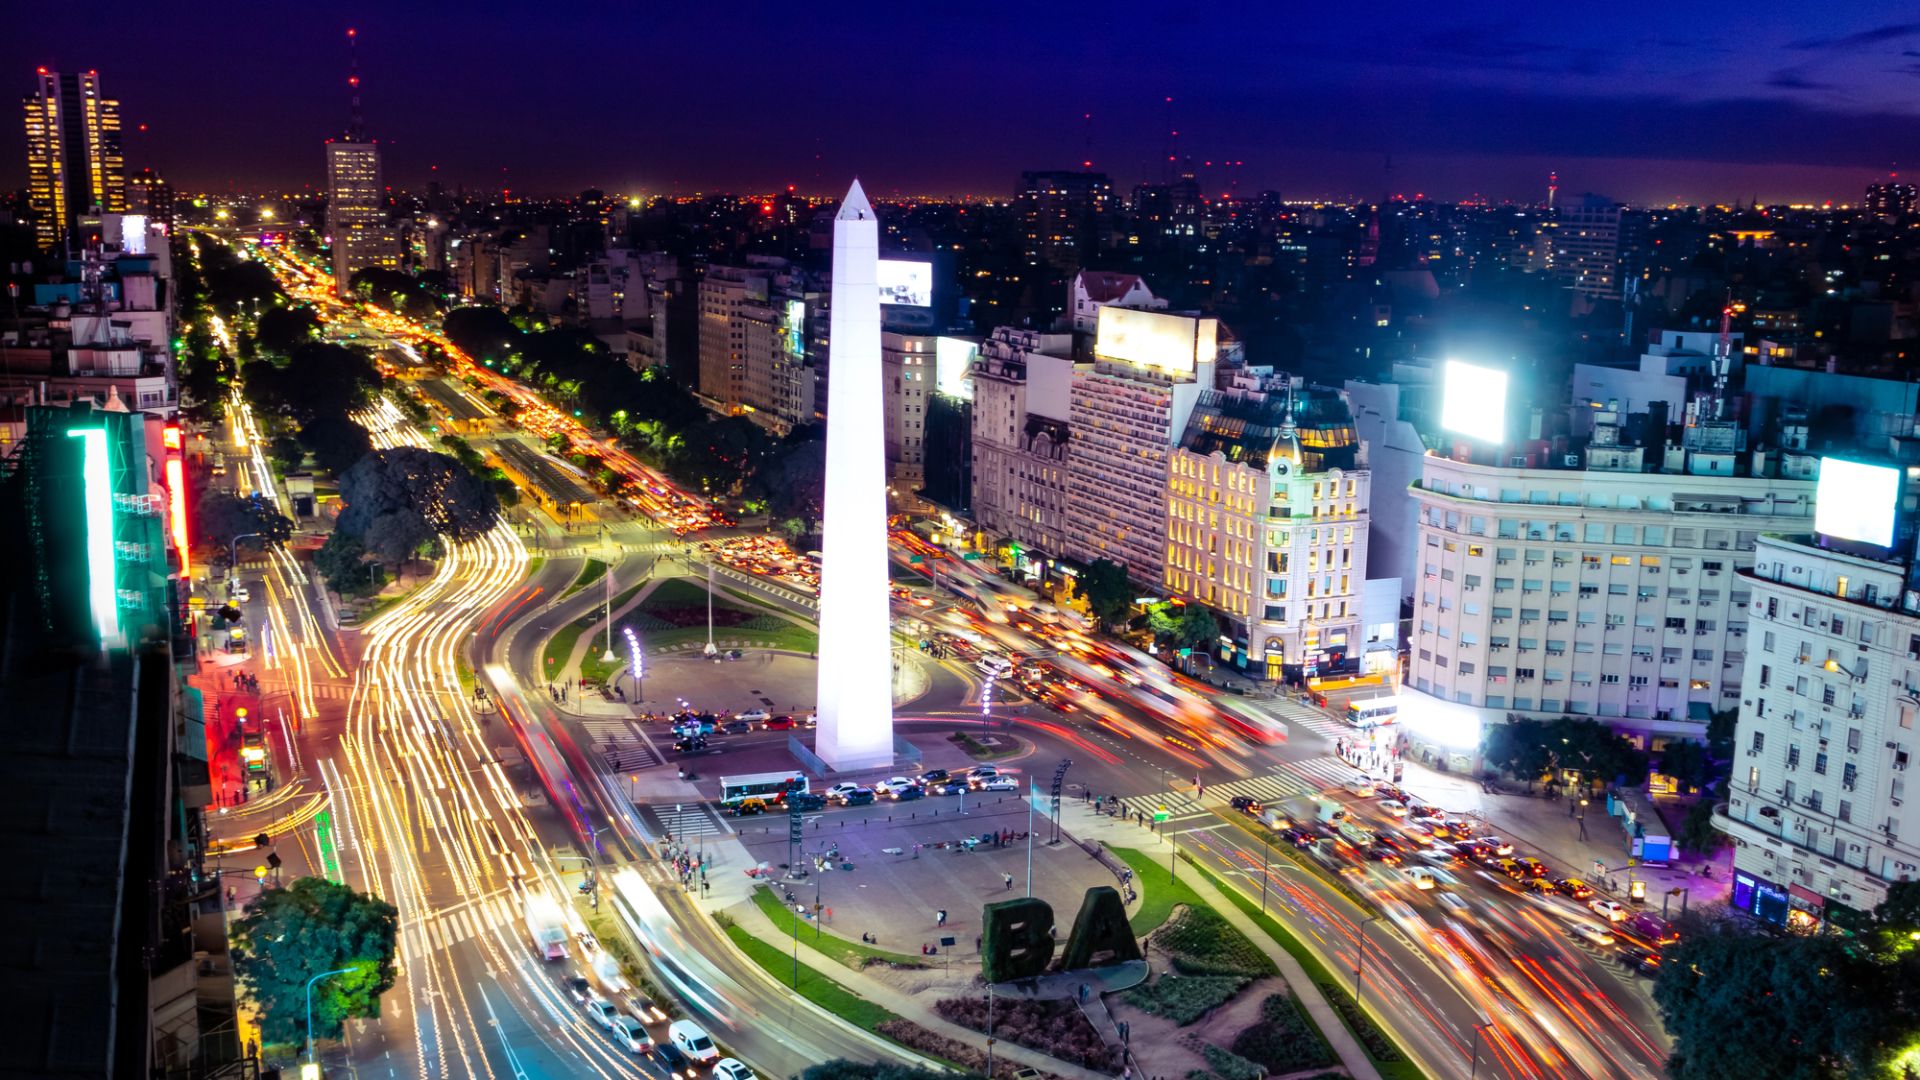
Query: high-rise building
x,y
1891,199
1818,806
907,366
1022,385
149,193
1128,409
1065,218
357,211
1587,243
753,342
74,168
1267,522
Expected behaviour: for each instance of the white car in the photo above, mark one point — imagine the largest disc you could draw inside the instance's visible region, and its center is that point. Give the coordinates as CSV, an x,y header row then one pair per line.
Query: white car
x,y
1611,910
755,716
1394,807
893,786
1591,934
602,1011
732,1069
1453,902
1362,787
240,594
630,1034
999,783
841,791
980,773
692,1040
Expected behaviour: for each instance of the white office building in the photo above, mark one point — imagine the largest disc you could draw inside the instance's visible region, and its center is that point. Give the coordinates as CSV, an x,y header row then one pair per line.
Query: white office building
x,y
1022,386
1819,811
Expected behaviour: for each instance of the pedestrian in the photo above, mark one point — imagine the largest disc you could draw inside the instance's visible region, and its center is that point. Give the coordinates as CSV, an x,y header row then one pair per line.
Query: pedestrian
x,y
940,917
1008,878
916,851
977,939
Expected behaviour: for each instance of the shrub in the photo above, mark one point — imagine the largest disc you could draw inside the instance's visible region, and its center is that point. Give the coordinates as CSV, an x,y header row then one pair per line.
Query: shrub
x,y
1184,1000
1283,1039
1378,1045
1202,942
1231,1065
1055,1028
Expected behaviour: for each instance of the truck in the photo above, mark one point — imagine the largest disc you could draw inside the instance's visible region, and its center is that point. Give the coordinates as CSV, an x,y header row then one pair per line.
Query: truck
x,y
1328,811
547,927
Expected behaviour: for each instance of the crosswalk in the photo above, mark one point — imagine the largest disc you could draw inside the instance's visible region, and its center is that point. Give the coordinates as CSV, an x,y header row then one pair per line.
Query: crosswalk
x,y
688,821
1296,779
452,925
1296,714
621,742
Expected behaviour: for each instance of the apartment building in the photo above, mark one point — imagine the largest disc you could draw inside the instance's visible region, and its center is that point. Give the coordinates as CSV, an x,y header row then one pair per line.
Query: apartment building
x,y
1022,381
1818,810
1267,497
1603,591
908,370
753,343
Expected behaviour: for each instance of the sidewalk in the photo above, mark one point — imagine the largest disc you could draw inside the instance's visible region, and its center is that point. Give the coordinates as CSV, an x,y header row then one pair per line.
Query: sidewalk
x,y
755,922
1080,819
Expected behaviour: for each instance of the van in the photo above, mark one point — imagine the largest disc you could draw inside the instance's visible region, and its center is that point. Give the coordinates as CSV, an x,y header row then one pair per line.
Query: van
x,y
1422,878
1327,810
994,666
692,1040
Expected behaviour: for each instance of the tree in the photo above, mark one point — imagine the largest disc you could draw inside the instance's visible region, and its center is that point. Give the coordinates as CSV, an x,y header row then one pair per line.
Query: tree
x,y
842,1069
287,453
1697,834
429,492
1106,590
1183,626
335,442
281,330
794,481
221,518
1689,763
1518,747
312,926
342,560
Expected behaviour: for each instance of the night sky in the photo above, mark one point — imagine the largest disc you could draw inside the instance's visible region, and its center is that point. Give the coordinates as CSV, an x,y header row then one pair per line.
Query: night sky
x,y
1650,102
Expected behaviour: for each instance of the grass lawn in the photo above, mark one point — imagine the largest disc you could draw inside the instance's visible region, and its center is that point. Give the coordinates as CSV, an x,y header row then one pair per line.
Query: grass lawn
x,y
681,593
1392,1062
1159,891
535,564
560,646
791,638
847,952
589,574
754,601
813,986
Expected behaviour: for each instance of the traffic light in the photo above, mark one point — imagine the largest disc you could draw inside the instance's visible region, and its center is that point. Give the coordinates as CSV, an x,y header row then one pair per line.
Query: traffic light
x,y
261,840
273,859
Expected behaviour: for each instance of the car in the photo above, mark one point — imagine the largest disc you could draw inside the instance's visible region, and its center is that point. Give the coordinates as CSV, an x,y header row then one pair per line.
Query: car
x,y
779,723
1417,811
578,988
1538,885
1437,856
1499,846
1394,807
240,594
1360,786
628,1032
1422,878
1245,804
732,1069
1611,910
1299,838
1453,902
1461,827
1592,934
1511,868
1574,889
1383,855
749,806
1640,961
842,790
687,743
1388,791
600,1011
736,727
893,786
755,716
692,1040
947,787
676,1063
1534,867
982,772
935,776
807,800
859,797
908,794
1000,783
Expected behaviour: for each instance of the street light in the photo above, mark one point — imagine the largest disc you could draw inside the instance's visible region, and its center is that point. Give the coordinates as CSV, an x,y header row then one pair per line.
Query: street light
x,y
1360,965
310,982
1477,1029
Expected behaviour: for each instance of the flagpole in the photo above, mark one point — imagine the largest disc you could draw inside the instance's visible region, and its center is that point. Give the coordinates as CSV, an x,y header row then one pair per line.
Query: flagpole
x,y
1031,795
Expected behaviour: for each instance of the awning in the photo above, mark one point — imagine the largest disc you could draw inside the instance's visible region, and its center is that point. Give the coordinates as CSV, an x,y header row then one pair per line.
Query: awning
x,y
1807,896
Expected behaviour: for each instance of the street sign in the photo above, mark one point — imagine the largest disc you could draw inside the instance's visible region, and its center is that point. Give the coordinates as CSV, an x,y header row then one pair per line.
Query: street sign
x,y
971,556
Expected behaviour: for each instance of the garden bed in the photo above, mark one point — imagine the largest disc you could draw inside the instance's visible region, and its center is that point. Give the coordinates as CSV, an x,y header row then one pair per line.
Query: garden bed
x,y
1284,1040
1055,1028
1184,999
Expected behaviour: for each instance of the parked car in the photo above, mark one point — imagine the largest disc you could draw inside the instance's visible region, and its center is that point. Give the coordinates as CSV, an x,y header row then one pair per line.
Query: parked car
x,y
628,1032
1574,888
692,1040
1611,910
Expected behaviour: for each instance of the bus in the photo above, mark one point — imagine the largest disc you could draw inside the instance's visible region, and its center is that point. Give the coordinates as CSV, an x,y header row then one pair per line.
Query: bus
x,y
1373,712
770,787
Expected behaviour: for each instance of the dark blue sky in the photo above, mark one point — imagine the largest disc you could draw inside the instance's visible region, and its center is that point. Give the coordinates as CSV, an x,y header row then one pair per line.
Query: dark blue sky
x,y
1646,101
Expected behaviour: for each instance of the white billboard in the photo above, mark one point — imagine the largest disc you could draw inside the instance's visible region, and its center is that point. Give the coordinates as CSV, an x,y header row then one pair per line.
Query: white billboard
x,y
1473,401
1856,501
907,282
953,366
1155,339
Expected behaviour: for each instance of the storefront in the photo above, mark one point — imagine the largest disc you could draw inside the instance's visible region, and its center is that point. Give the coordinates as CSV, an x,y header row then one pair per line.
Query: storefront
x,y
1763,899
1806,910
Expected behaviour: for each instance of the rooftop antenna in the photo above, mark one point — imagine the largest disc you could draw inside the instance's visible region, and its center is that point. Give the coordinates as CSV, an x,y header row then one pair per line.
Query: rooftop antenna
x,y
356,123
1553,188
1086,155
1173,141
1723,358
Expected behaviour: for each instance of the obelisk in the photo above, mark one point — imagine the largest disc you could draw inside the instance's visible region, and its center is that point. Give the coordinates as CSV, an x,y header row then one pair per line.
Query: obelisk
x,y
856,674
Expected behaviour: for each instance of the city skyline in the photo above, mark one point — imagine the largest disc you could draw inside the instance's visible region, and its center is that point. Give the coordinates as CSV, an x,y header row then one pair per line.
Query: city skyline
x,y
1795,109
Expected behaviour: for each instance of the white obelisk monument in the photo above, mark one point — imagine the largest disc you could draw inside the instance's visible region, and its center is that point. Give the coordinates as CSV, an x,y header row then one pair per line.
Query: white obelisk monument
x,y
856,673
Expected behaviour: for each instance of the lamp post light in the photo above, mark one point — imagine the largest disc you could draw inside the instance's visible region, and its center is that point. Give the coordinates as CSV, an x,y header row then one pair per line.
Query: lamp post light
x,y
636,665
310,982
1360,965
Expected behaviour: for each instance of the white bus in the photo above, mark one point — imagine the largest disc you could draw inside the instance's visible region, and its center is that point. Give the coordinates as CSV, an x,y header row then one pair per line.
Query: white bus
x,y
1373,711
772,787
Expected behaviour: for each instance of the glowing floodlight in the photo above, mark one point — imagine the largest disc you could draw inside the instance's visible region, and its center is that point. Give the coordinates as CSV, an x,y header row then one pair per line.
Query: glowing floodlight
x,y
97,498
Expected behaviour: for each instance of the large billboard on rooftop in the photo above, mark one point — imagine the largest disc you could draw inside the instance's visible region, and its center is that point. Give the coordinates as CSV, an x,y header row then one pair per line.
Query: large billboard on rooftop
x,y
1856,501
1155,339
1473,401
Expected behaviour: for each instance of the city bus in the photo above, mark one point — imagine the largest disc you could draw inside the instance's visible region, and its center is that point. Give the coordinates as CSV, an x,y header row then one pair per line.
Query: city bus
x,y
770,787
1373,712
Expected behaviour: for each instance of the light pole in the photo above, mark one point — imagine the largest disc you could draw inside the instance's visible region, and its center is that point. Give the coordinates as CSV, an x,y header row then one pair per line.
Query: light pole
x,y
1360,965
233,552
310,982
608,657
1477,1029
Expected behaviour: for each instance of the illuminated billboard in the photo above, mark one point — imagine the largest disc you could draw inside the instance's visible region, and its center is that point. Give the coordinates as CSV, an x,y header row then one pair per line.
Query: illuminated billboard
x,y
1474,401
953,366
906,282
1155,339
1856,501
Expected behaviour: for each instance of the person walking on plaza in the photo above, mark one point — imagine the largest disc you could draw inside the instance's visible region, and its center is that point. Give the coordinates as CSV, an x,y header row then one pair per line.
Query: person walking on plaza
x,y
940,917
1008,878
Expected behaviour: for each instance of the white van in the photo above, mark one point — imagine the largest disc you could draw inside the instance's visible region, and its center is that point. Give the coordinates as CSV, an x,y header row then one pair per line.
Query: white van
x,y
1422,878
692,1040
994,666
